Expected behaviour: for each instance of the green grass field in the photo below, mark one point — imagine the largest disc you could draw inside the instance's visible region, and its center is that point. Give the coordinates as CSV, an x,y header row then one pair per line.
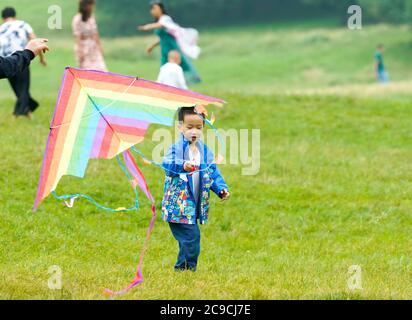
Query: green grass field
x,y
333,189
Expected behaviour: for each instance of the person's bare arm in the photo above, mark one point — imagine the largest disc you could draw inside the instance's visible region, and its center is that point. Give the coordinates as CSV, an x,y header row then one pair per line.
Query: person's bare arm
x,y
152,46
33,36
150,26
20,60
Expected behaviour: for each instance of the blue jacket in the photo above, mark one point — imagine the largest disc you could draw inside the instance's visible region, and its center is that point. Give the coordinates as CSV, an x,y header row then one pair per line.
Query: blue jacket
x,y
179,204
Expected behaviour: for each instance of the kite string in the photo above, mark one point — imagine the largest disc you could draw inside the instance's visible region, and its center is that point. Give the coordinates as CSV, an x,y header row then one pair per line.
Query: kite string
x,y
98,205
99,110
138,152
161,166
133,148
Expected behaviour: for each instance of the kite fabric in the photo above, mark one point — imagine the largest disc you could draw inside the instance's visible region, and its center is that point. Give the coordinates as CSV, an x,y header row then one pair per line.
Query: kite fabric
x,y
101,115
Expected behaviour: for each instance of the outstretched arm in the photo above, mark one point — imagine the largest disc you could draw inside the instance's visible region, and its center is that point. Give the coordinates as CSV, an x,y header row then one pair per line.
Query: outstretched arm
x,y
33,36
20,60
173,162
152,46
150,26
14,64
219,185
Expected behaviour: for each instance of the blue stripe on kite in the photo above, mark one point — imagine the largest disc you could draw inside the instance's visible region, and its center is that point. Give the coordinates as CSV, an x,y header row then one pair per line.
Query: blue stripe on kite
x,y
118,111
83,147
84,143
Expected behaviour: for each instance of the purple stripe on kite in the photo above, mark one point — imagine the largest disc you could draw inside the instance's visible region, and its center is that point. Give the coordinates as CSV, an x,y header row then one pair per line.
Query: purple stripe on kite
x,y
131,166
127,122
98,139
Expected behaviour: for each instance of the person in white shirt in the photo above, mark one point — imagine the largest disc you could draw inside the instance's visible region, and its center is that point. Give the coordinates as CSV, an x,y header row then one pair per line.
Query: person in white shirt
x,y
14,36
171,73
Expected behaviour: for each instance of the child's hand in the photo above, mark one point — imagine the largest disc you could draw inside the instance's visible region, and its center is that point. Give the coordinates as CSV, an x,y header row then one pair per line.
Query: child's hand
x,y
188,166
224,195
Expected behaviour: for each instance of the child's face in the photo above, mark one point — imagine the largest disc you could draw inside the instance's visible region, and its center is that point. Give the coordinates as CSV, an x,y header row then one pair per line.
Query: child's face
x,y
156,11
174,57
192,127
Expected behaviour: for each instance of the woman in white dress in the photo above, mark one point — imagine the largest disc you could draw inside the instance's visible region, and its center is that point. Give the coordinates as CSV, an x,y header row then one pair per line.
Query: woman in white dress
x,y
88,49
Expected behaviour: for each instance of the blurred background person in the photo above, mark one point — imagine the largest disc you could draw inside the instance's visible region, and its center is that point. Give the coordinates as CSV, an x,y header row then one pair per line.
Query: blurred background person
x,y
173,37
171,73
88,48
14,36
381,73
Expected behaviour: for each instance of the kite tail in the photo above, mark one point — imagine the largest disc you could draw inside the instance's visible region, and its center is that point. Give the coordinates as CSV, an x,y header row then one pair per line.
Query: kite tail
x,y
138,179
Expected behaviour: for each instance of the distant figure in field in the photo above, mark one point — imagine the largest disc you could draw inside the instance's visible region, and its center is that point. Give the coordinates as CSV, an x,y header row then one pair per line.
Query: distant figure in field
x,y
172,73
381,73
88,49
173,37
14,36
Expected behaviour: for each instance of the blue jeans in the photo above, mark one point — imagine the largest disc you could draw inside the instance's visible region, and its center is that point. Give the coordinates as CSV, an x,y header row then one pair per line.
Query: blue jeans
x,y
188,237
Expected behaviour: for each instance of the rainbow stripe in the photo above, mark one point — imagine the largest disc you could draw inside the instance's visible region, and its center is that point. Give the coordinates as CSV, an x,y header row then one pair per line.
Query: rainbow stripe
x,y
100,115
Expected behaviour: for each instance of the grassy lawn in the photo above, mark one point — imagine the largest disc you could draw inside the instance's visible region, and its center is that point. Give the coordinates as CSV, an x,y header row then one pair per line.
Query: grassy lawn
x,y
333,189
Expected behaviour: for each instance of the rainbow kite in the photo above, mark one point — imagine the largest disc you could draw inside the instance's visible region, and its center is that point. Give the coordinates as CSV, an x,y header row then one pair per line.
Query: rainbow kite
x,y
100,116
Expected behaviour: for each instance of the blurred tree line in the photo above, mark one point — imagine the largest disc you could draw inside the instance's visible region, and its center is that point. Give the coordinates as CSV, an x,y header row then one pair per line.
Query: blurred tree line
x,y
392,11
206,13
121,17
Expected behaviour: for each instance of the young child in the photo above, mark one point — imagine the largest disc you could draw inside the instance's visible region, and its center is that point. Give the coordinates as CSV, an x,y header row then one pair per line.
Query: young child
x,y
190,175
172,73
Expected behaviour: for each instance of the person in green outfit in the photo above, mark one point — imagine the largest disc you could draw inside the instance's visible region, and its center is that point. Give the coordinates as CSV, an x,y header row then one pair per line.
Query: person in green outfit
x,y
381,73
172,37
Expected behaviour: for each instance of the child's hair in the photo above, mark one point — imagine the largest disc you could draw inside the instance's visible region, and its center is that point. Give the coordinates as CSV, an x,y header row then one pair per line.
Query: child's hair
x,y
380,46
187,111
160,4
8,12
174,55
